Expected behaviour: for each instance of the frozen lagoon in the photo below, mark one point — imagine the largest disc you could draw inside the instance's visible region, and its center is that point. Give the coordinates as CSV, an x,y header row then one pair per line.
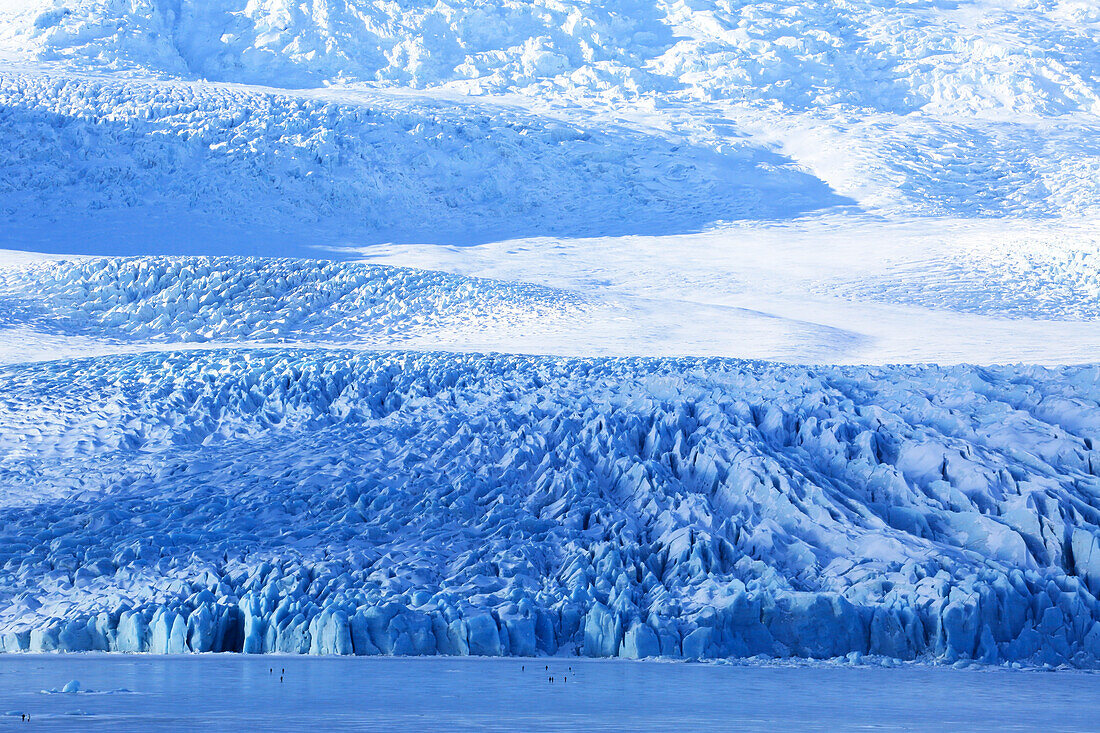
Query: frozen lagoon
x,y
231,692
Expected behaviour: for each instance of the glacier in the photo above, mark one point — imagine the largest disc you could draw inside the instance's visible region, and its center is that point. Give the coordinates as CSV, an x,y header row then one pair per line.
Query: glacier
x,y
704,330
160,300
204,127
336,502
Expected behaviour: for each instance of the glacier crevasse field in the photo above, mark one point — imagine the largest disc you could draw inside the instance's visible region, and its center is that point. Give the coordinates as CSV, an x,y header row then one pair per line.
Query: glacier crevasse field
x,y
698,330
426,503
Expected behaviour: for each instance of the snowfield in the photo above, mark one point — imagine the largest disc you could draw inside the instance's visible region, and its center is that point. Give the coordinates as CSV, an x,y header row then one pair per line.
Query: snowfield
x,y
623,329
819,292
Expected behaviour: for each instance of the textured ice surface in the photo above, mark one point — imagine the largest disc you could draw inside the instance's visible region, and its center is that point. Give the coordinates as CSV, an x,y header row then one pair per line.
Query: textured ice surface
x,y
792,180
1009,277
319,168
395,503
472,121
895,56
198,299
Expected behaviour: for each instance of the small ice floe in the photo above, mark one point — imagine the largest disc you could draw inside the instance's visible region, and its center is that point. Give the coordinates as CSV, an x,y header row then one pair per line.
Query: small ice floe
x,y
72,687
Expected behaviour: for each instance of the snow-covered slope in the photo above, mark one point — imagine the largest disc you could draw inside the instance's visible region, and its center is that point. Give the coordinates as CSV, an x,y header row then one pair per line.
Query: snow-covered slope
x,y
806,295
141,159
896,56
393,503
476,121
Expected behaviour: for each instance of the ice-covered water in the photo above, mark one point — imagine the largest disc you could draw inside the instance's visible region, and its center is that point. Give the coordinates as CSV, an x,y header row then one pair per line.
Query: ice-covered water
x,y
223,692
